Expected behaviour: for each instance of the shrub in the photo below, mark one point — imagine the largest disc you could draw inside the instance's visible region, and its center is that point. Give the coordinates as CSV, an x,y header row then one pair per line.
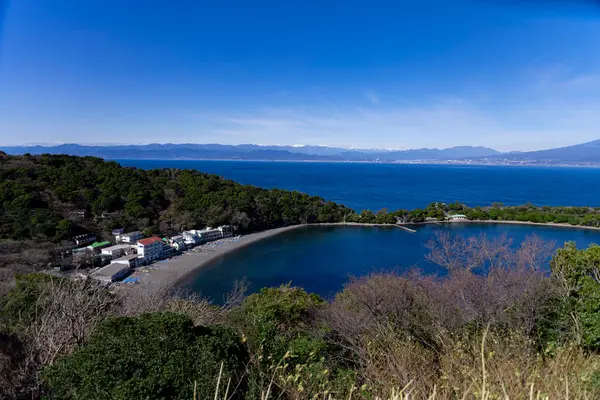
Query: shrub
x,y
289,351
274,315
157,356
578,274
19,307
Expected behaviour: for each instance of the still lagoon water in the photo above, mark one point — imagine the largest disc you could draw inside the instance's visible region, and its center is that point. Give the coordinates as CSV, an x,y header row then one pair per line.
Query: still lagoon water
x,y
322,259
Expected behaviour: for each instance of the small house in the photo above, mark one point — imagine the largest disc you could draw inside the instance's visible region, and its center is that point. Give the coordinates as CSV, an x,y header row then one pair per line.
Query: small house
x,y
130,237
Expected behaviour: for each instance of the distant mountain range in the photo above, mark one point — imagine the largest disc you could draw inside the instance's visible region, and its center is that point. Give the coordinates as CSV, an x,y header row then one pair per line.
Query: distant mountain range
x,y
252,152
586,153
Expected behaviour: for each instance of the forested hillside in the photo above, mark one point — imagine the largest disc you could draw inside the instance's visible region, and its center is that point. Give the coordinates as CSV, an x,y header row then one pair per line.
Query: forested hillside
x,y
54,197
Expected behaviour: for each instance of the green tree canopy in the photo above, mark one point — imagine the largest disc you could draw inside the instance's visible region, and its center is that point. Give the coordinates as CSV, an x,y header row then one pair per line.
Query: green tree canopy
x,y
157,356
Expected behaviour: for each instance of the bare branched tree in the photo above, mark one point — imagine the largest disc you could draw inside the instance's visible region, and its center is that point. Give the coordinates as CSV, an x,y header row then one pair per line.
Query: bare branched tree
x,y
159,295
66,313
399,327
534,253
454,252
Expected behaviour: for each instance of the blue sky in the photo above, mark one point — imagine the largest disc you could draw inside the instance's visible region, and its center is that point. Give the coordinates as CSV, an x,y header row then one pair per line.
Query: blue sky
x,y
513,75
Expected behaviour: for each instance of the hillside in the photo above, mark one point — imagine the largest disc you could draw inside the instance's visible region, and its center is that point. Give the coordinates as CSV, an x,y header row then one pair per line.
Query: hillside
x,y
52,197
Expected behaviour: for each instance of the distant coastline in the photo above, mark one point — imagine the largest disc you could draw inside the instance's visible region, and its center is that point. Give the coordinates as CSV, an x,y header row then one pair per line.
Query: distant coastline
x,y
418,162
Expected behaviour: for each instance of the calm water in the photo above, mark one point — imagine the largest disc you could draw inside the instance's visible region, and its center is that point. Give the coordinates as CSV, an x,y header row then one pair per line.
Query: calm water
x,y
322,259
396,186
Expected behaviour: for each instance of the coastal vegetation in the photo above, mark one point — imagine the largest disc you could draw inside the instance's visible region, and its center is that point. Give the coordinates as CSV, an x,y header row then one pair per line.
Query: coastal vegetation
x,y
576,216
497,326
55,197
497,212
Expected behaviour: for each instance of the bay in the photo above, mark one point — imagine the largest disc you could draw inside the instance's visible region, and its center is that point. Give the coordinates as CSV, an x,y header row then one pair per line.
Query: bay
x,y
323,259
395,186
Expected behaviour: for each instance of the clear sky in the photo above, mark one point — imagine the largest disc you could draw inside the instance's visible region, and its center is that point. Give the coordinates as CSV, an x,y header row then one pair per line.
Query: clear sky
x,y
510,74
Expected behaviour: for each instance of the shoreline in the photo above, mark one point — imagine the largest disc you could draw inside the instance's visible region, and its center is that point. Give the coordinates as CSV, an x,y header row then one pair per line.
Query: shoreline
x,y
491,221
173,272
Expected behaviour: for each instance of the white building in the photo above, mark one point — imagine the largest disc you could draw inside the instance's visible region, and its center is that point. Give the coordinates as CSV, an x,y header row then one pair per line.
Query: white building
x,y
131,261
150,249
209,234
130,237
117,251
111,273
456,217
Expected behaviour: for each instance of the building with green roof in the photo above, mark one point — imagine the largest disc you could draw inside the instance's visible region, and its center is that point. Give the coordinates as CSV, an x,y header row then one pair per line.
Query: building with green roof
x,y
98,245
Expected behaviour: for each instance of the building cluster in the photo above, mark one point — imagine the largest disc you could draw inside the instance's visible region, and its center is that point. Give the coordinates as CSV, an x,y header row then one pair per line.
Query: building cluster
x,y
132,250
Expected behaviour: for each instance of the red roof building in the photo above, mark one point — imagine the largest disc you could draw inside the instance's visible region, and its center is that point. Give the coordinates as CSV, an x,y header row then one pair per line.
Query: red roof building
x,y
149,241
150,248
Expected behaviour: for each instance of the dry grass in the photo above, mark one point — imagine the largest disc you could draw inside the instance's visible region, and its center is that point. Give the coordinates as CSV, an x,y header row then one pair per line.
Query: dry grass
x,y
477,371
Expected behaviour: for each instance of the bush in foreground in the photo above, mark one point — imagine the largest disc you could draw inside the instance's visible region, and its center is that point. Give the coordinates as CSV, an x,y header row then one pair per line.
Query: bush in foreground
x,y
155,356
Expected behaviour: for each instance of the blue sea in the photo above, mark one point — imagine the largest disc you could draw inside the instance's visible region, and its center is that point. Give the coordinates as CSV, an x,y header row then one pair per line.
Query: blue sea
x,y
322,259
395,186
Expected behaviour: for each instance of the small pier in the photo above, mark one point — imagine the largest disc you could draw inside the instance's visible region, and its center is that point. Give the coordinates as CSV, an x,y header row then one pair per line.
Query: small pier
x,y
405,228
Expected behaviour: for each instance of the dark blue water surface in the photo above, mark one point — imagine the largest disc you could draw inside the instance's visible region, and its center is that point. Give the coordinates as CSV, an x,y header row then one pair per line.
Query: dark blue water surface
x,y
322,259
395,186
